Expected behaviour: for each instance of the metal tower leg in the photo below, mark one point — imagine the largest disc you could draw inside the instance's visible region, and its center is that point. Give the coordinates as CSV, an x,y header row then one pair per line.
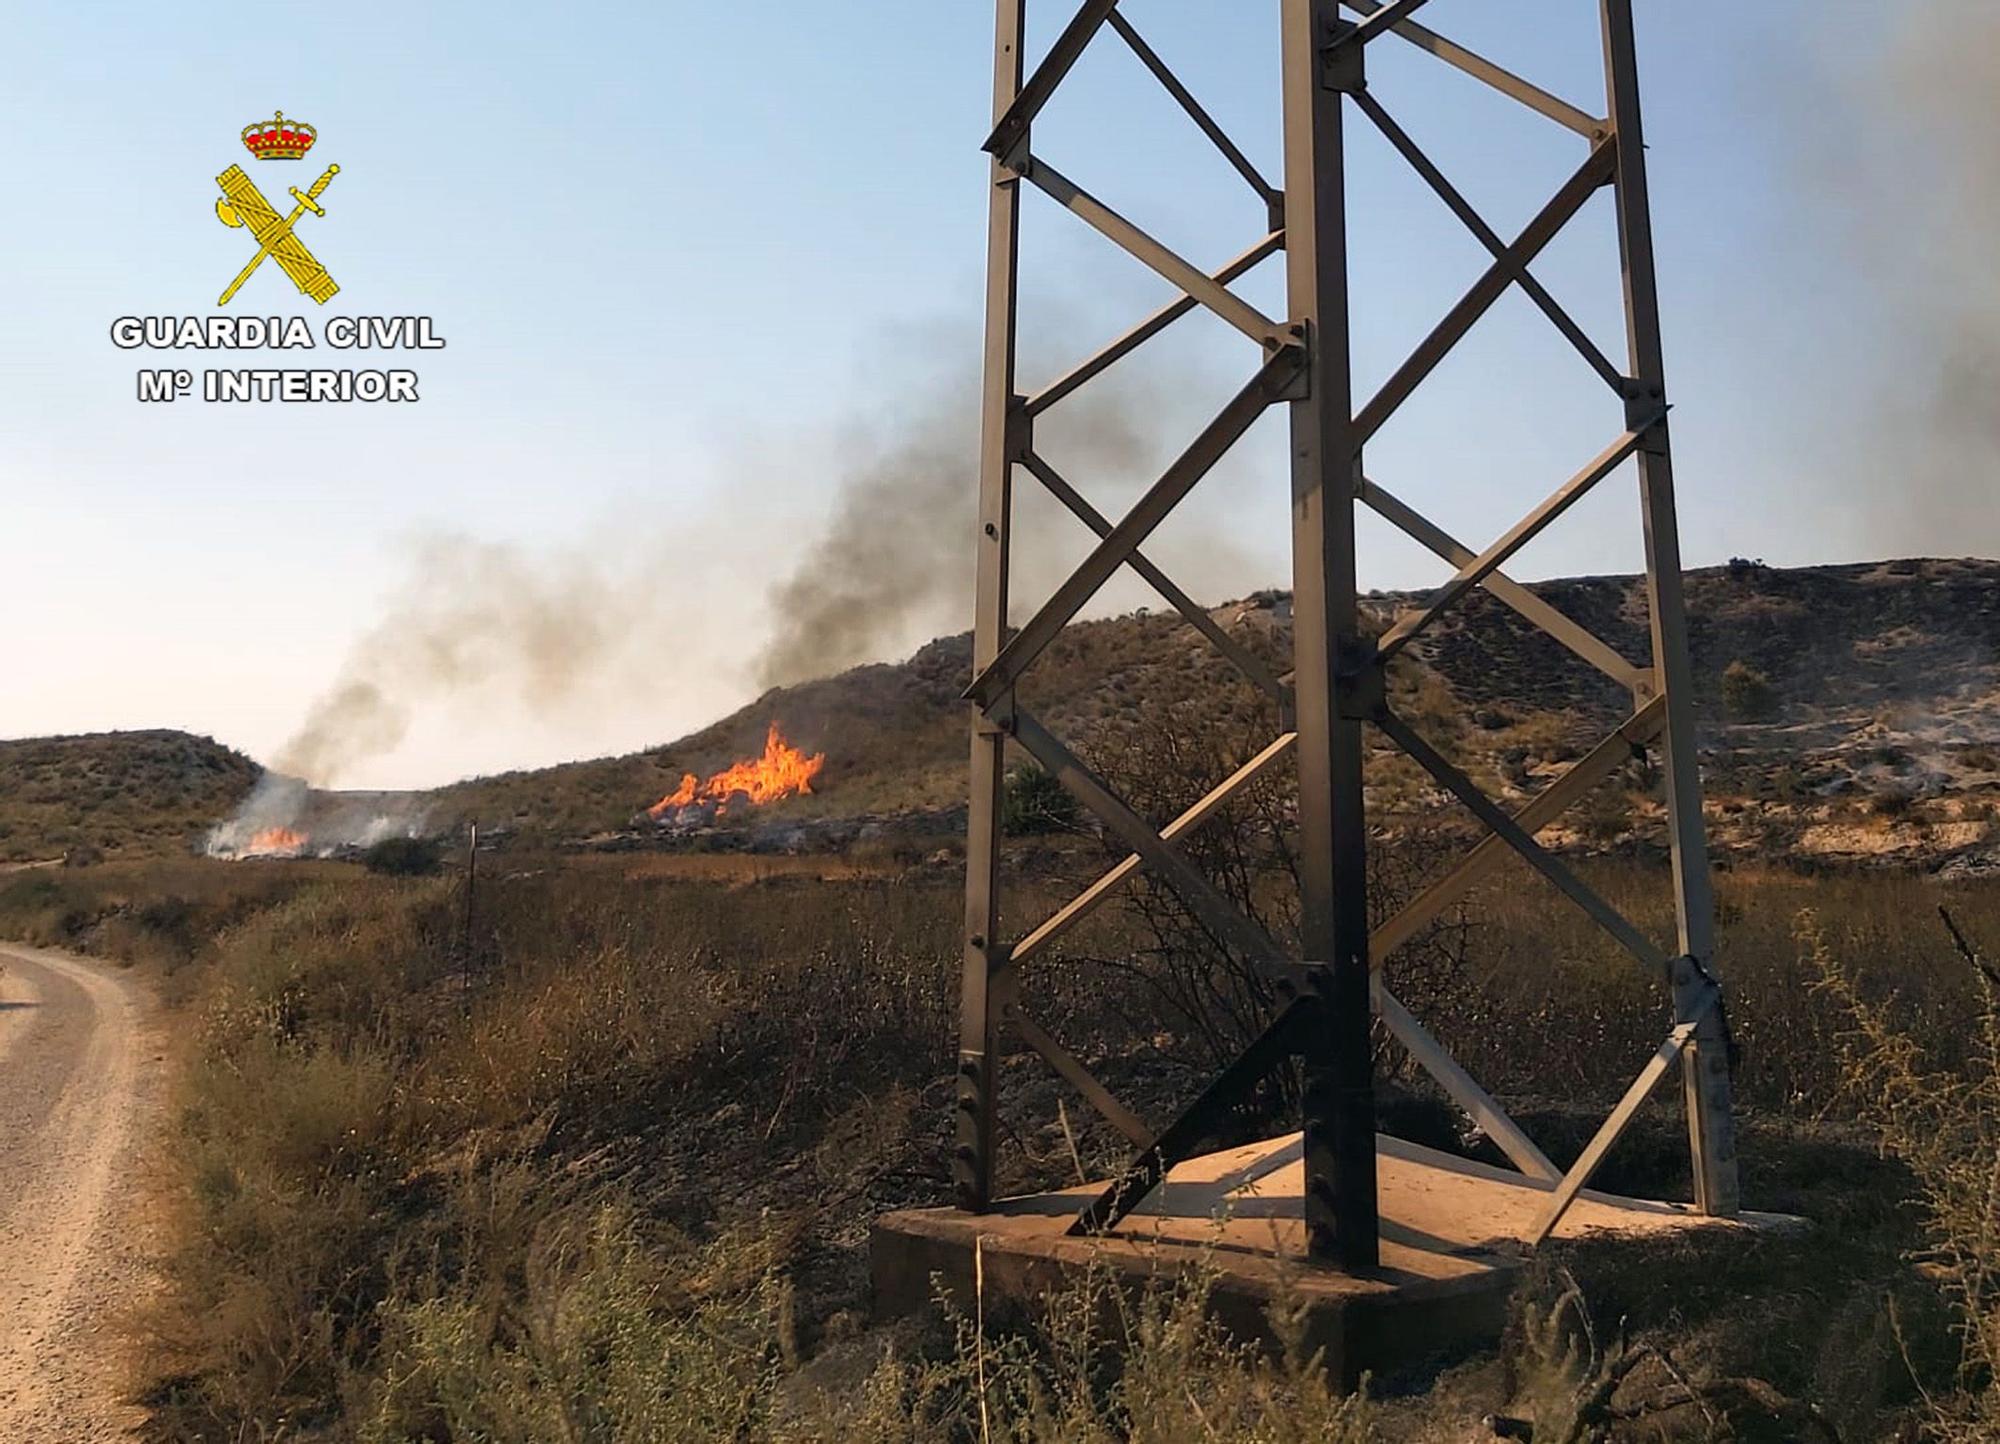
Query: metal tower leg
x,y
972,1153
1705,1063
1333,664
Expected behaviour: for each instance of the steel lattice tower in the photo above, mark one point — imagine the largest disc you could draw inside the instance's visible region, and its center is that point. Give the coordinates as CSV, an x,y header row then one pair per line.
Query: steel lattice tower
x,y
1336,688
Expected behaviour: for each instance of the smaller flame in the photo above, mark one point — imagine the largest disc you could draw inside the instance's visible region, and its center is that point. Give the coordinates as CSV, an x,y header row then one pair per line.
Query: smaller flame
x,y
783,771
276,842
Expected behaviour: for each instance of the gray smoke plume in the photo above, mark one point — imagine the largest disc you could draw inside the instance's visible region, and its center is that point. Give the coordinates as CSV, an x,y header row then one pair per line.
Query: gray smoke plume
x,y
472,619
896,547
895,562
544,632
1914,169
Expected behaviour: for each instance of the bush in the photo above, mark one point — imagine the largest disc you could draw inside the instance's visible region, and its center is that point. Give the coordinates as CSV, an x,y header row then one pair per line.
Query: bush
x,y
1034,803
1747,694
402,857
1895,803
1941,1118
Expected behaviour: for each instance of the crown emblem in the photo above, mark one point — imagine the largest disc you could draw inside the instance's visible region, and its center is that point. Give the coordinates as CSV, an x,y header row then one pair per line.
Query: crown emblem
x,y
278,138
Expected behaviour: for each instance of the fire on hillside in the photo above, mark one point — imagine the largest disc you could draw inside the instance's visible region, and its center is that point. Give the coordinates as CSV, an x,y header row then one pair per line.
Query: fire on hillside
x,y
782,771
284,818
276,842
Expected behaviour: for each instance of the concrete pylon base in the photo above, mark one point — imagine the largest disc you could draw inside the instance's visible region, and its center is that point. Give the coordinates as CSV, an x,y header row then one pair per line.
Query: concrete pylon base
x,y
1454,1240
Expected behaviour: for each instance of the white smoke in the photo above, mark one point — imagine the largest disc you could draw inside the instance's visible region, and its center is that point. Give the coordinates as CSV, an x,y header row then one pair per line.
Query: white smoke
x,y
326,824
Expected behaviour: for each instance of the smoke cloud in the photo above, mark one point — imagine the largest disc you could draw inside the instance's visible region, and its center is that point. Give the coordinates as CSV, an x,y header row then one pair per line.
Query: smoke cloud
x,y
895,561
476,621
1914,169
282,817
625,626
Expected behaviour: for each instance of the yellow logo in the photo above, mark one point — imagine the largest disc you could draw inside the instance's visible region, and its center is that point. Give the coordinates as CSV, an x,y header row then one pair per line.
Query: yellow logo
x,y
242,204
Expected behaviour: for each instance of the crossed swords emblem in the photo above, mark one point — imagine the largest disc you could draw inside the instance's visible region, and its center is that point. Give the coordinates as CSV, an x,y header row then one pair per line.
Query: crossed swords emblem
x,y
242,204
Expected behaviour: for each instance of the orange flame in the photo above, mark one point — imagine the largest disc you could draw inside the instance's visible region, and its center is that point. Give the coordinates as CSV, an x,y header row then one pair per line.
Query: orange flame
x,y
783,771
277,842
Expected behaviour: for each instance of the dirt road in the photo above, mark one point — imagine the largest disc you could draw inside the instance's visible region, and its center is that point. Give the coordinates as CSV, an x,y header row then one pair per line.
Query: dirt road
x,y
80,1085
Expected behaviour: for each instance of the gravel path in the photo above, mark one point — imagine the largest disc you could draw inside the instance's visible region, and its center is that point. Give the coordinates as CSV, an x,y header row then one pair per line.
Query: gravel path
x,y
80,1085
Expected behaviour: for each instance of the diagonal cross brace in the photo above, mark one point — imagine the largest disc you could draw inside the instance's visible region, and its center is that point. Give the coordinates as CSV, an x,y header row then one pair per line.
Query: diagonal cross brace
x,y
1283,1039
1480,68
1571,634
1561,208
1012,127
1218,137
1267,386
1071,1070
1150,252
1104,359
1472,573
1380,23
1216,911
1614,1126
1461,1087
1196,615
1091,898
1550,803
1539,857
1489,238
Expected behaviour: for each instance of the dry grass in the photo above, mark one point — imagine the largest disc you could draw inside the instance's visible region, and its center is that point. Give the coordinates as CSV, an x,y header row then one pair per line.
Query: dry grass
x,y
601,1169
1937,1110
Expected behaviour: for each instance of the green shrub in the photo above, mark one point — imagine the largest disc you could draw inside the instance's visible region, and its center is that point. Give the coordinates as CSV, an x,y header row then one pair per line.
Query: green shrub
x,y
1034,803
403,857
1747,694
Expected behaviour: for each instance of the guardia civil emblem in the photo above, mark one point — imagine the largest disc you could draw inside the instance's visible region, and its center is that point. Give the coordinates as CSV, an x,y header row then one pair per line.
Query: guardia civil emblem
x,y
243,205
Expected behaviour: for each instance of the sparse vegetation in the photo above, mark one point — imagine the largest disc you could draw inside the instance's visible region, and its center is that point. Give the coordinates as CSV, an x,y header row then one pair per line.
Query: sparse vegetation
x,y
1747,694
1938,1111
120,794
593,1158
403,857
614,1165
1034,804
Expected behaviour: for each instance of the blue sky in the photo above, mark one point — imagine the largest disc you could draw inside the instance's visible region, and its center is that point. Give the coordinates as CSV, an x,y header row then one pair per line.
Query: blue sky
x,y
683,254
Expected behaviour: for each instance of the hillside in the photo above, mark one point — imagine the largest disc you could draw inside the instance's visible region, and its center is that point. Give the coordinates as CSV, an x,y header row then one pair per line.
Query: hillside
x,y
1862,717
125,793
1865,686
